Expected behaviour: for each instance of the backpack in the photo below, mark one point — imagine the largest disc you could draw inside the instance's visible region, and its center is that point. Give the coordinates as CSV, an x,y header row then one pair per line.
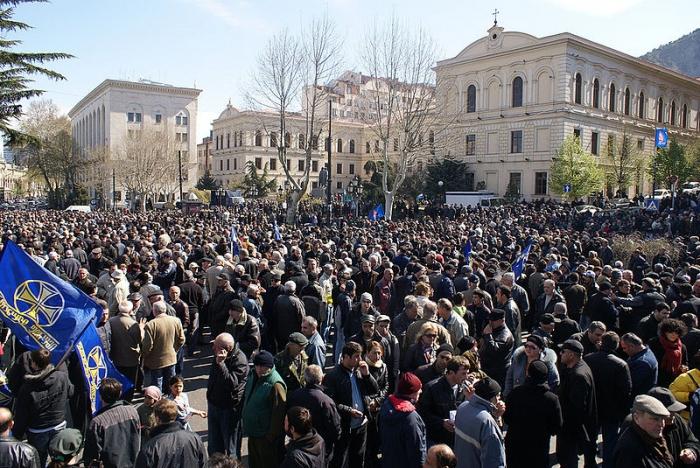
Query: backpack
x,y
694,407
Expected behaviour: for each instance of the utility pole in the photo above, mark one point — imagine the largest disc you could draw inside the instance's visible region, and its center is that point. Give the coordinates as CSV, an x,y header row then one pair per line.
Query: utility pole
x,y
330,144
114,190
179,171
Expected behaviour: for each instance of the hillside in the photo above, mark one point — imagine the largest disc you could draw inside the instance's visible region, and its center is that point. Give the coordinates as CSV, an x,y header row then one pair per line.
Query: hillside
x,y
682,55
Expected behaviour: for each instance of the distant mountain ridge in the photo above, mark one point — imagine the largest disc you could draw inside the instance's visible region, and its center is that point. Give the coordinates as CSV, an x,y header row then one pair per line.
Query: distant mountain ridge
x,y
682,55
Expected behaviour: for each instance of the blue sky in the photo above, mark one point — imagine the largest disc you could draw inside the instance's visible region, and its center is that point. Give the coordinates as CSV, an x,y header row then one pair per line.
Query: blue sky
x,y
213,44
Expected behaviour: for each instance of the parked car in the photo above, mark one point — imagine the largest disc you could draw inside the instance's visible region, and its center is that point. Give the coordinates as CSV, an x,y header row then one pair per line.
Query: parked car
x,y
660,194
691,188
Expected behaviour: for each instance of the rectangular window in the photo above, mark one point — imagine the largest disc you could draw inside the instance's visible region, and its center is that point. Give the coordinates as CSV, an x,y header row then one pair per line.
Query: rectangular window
x,y
221,164
178,120
594,143
228,165
273,164
138,117
492,143
516,141
339,185
235,164
300,165
184,120
289,164
577,133
159,118
471,145
130,117
228,140
540,183
339,168
314,166
640,144
515,182
314,185
469,181
258,163
611,143
351,170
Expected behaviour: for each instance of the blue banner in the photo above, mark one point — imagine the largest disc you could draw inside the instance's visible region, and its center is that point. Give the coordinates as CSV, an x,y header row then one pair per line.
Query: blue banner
x,y
96,365
661,137
519,264
42,310
278,236
376,213
235,248
468,251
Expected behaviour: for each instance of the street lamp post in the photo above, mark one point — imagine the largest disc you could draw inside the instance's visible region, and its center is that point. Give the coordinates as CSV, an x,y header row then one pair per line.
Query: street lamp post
x,y
440,184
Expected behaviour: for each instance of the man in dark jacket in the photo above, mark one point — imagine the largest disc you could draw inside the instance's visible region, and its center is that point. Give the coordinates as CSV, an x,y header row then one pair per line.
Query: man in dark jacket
x,y
680,440
575,296
348,384
564,327
544,304
306,449
41,403
497,347
578,407
648,327
243,327
170,444
192,294
689,304
439,398
642,443
324,413
401,429
590,338
641,305
13,452
533,415
613,387
219,304
289,312
225,388
602,308
114,435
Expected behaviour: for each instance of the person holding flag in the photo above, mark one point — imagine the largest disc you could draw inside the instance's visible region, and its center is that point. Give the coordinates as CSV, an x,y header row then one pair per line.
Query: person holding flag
x,y
519,265
235,243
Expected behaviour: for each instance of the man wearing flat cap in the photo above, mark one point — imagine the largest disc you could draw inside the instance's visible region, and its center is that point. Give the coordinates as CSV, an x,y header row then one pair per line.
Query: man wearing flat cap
x,y
292,361
643,443
578,406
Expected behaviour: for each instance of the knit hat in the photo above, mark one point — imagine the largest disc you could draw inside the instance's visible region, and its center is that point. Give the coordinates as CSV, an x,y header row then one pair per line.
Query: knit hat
x,y
350,286
409,384
153,392
265,359
537,372
445,347
537,341
366,297
487,388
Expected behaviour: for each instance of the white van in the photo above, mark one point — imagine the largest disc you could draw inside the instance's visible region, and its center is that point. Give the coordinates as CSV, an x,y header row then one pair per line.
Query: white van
x,y
81,208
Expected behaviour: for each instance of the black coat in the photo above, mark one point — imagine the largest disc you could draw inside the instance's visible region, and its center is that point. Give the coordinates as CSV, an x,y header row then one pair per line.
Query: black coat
x,y
564,330
613,385
226,383
324,413
170,445
15,453
533,415
246,334
540,308
434,406
42,400
218,310
603,310
632,452
288,314
307,451
339,388
496,352
578,403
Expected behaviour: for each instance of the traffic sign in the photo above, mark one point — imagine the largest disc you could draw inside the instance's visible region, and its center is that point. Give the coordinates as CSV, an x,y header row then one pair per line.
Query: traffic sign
x,y
651,205
567,188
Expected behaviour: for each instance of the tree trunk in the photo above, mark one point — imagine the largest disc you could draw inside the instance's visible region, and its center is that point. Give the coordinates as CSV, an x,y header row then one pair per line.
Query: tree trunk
x,y
293,206
388,205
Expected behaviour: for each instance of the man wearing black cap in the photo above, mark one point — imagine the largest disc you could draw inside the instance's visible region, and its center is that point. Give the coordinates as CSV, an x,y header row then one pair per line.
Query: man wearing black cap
x,y
601,307
613,387
291,362
263,412
243,327
219,304
533,416
429,372
578,406
368,334
497,347
478,437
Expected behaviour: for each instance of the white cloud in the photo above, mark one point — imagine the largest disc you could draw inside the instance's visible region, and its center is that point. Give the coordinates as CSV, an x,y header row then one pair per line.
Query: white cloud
x,y
204,120
600,8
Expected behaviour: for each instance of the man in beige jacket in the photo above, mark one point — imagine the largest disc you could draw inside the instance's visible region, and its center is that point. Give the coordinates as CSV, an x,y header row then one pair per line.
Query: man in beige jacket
x,y
162,338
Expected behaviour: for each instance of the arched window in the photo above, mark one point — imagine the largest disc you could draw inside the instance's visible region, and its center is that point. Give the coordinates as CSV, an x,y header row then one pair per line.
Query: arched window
x,y
596,93
517,92
471,98
339,145
273,140
352,146
684,116
287,140
611,104
627,101
641,105
660,111
258,138
577,89
673,112
302,141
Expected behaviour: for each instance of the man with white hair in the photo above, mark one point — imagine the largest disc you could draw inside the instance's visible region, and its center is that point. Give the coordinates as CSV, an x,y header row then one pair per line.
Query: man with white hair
x,y
163,337
125,343
70,265
289,312
517,293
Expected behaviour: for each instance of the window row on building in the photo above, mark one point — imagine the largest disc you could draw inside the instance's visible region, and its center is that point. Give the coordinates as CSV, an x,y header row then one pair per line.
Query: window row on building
x,y
271,165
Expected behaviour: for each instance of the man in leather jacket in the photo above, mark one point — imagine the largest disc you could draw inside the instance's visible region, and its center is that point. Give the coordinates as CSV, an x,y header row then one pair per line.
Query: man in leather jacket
x,y
13,452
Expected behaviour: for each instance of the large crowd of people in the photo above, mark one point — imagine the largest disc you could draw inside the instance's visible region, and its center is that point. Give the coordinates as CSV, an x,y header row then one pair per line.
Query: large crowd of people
x,y
358,343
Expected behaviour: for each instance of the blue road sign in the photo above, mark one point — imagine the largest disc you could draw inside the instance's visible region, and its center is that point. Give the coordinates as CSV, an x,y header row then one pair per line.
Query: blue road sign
x,y
567,188
651,205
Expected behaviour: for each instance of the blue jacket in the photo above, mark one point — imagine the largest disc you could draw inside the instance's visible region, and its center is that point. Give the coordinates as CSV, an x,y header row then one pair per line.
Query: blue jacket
x,y
402,434
478,439
644,370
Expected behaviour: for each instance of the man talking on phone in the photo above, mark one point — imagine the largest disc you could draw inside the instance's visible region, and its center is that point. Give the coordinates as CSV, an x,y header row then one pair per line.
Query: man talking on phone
x,y
225,390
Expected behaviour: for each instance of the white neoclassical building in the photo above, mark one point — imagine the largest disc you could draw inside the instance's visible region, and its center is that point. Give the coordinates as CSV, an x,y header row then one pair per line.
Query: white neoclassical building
x,y
519,96
116,109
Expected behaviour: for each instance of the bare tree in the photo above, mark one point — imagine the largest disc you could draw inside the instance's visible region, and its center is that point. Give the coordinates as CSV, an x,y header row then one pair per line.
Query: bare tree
x,y
290,68
146,164
403,111
624,162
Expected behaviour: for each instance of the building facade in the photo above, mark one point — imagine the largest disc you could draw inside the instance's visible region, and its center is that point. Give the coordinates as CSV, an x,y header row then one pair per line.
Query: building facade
x,y
116,110
204,156
517,98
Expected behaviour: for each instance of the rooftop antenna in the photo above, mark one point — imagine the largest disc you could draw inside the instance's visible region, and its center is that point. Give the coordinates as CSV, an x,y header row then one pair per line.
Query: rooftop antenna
x,y
495,16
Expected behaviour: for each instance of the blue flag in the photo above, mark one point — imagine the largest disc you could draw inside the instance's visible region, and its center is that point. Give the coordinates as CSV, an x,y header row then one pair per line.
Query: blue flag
x,y
661,137
235,248
278,236
5,392
376,213
42,310
96,365
519,264
468,250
